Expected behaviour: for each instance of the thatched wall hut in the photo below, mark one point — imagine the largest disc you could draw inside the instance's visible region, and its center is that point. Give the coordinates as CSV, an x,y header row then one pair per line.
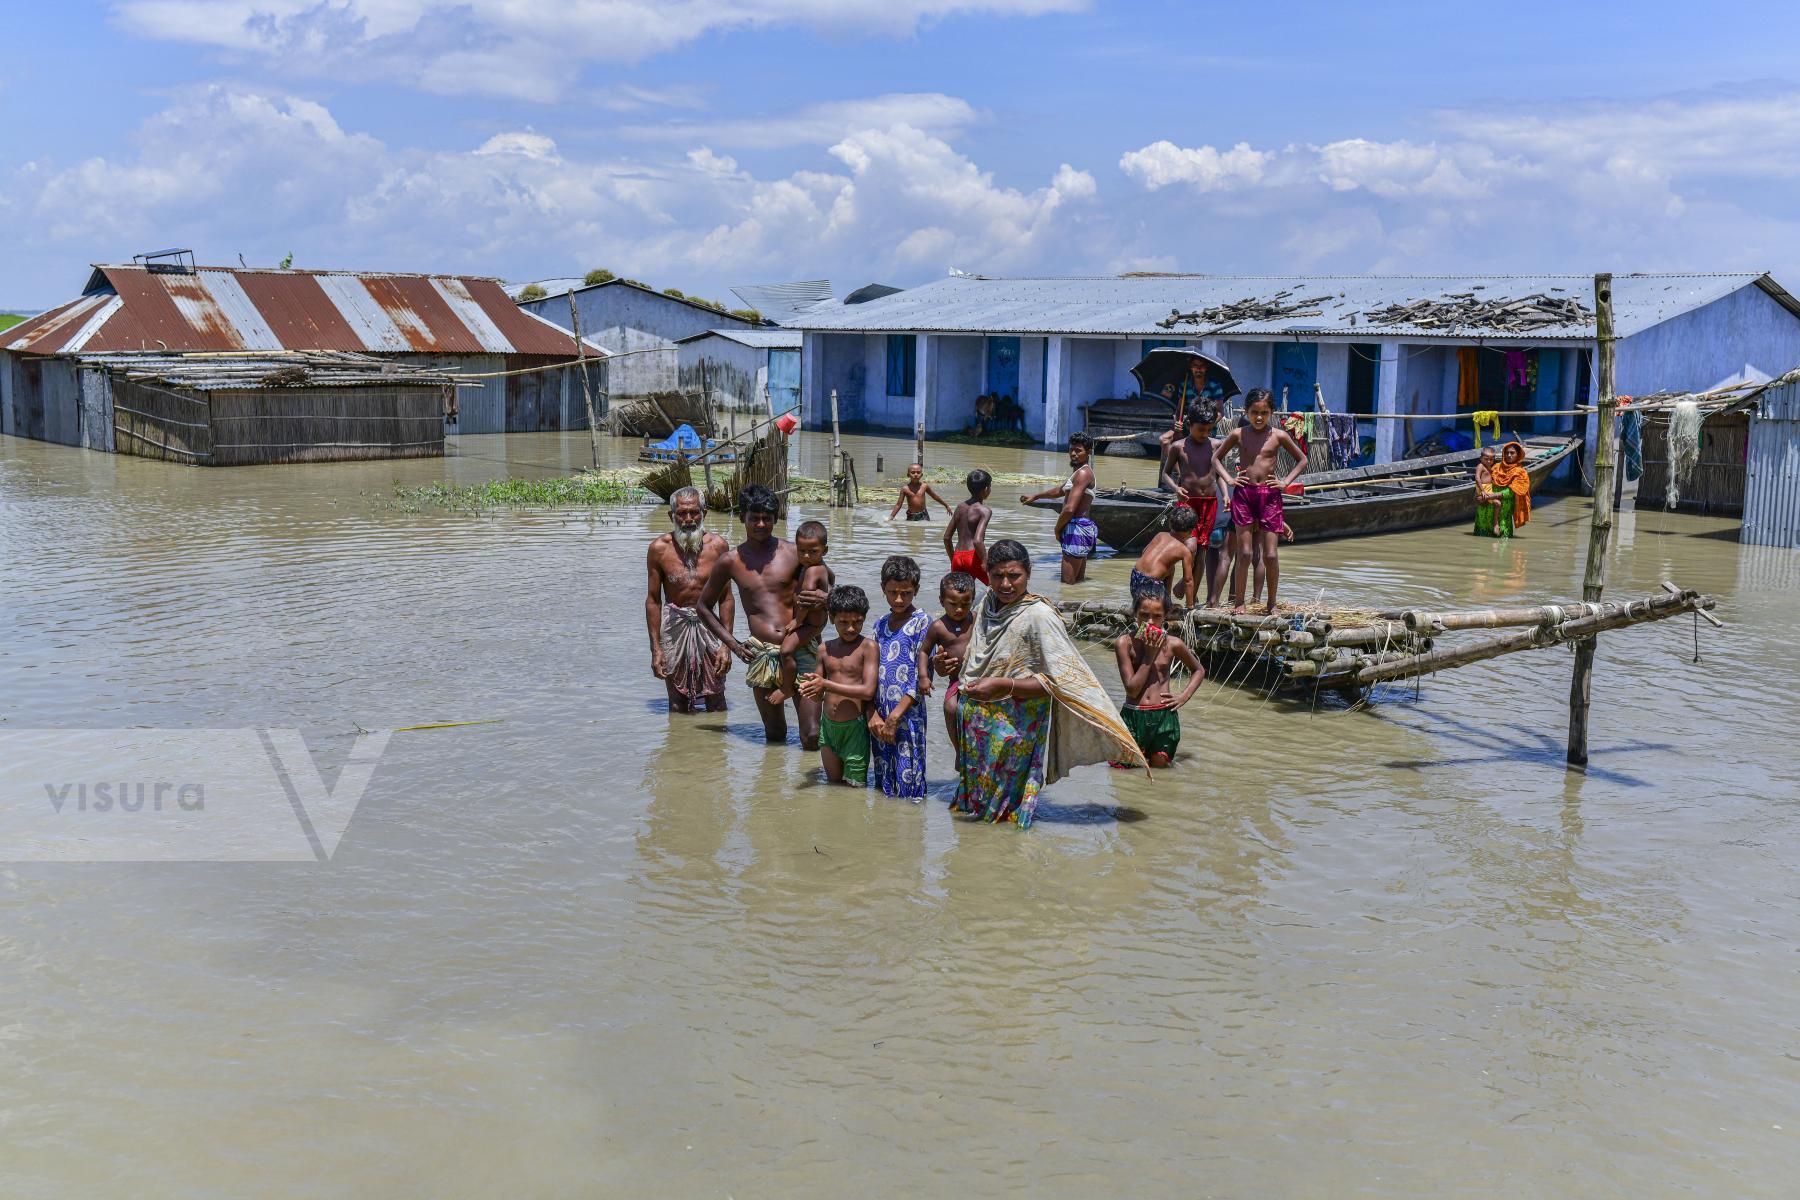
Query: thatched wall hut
x,y
234,410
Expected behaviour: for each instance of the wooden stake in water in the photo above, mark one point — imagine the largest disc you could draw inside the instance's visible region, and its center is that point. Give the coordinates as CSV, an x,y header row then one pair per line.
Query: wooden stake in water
x,y
1600,530
839,484
587,391
919,444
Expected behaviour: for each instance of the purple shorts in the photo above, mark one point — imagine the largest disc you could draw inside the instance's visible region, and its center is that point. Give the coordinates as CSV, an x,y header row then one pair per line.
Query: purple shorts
x,y
1257,505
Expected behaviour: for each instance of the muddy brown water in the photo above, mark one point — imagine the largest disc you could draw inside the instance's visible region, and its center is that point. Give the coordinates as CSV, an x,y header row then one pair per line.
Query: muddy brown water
x,y
594,949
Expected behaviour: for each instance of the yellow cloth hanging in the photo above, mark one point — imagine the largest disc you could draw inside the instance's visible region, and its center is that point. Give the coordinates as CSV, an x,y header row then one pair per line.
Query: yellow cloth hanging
x,y
1490,418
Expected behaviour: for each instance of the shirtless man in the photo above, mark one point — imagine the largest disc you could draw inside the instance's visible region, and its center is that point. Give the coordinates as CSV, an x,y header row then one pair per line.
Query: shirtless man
x,y
766,572
1197,477
686,655
965,537
1154,571
1256,500
1075,531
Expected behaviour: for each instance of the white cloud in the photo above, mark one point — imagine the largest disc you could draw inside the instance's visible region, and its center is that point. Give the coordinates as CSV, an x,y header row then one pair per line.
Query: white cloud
x,y
231,171
820,124
528,49
1203,168
1667,184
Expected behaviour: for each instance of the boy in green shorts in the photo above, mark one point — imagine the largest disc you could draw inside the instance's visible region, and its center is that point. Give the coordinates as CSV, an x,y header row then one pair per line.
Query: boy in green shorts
x,y
845,682
1145,656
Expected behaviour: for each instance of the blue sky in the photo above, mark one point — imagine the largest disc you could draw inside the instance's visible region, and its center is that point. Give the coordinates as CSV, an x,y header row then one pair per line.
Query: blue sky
x,y
700,143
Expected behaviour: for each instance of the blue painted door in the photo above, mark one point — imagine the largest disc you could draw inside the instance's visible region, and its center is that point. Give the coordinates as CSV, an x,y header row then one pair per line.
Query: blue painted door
x,y
784,381
1296,368
1003,366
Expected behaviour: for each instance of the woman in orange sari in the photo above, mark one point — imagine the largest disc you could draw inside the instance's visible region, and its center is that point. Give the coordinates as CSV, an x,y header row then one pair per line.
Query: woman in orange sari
x,y
1510,473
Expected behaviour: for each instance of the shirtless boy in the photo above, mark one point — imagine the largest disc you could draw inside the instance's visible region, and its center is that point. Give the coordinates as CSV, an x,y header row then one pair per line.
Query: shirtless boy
x,y
1145,656
845,682
914,493
801,637
1075,530
1256,500
1484,479
947,640
965,538
1197,477
684,654
765,570
1154,571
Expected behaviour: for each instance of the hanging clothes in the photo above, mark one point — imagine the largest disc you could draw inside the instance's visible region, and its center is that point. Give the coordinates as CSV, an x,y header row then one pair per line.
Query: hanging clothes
x,y
1486,418
1468,378
1515,368
1341,429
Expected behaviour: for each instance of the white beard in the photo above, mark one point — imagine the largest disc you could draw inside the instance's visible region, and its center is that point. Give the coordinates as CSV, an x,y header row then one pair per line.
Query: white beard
x,y
689,542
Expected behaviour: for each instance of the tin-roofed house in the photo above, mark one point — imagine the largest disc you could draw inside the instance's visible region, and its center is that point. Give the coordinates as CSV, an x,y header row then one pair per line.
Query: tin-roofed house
x,y
633,320
1376,346
510,366
755,371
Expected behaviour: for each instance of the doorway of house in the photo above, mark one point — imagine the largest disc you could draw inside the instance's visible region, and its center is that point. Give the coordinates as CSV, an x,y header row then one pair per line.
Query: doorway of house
x,y
1296,367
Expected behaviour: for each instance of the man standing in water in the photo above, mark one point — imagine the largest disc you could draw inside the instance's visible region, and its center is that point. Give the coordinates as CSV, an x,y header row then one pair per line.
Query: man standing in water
x,y
686,655
766,571
1075,531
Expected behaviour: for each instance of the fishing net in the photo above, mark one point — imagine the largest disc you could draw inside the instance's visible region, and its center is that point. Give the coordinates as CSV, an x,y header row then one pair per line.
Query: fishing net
x,y
1684,447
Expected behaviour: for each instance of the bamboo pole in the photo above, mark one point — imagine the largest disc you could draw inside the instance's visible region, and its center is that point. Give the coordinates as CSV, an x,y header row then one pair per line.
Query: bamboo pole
x,y
919,443
838,480
587,391
1600,530
1616,615
1419,620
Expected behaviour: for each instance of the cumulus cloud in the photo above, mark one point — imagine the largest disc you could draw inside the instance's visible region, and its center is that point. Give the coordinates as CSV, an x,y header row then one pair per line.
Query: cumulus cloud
x,y
528,49
229,170
1670,183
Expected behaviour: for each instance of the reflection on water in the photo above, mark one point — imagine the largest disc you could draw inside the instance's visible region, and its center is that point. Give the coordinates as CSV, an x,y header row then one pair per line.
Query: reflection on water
x,y
1388,948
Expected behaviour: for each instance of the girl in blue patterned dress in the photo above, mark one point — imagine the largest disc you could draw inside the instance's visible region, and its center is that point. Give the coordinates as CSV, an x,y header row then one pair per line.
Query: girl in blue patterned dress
x,y
897,730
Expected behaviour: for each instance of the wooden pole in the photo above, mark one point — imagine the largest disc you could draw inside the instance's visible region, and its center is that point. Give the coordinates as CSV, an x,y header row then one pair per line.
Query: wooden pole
x,y
838,481
919,443
587,391
1600,529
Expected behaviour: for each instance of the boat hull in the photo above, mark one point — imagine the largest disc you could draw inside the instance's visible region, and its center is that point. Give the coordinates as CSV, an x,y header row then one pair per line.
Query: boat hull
x,y
1128,519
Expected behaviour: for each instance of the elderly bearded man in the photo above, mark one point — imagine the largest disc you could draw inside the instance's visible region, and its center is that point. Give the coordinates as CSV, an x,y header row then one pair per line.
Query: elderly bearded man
x,y
686,655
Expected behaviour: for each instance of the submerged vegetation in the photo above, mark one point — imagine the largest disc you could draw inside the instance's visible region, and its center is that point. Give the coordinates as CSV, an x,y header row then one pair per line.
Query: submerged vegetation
x,y
594,489
588,489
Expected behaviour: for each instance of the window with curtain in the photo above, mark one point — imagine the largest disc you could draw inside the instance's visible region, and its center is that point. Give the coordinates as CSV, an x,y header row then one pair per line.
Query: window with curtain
x,y
902,362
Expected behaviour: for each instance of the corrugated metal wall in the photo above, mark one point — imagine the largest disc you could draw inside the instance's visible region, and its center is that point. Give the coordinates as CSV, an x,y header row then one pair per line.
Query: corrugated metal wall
x,y
1772,474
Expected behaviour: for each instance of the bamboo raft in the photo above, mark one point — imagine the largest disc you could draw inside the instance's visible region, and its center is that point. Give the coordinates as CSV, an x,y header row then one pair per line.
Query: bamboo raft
x,y
1349,650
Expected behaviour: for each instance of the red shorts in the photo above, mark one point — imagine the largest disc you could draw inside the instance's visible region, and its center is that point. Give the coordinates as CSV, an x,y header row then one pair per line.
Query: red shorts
x,y
1206,511
968,563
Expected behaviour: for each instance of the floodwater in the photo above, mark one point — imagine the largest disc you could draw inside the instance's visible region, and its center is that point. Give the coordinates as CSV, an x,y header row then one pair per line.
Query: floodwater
x,y
592,949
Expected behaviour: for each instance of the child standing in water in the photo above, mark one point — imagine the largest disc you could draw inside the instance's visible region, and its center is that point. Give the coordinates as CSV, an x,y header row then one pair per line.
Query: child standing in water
x,y
1256,514
800,640
845,682
1145,657
947,640
913,494
898,726
965,538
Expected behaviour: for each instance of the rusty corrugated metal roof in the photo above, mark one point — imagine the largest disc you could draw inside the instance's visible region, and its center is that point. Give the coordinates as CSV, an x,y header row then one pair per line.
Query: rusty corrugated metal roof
x,y
130,308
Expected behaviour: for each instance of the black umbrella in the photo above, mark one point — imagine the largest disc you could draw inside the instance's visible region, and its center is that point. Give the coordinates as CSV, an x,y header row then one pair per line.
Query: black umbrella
x,y
1172,372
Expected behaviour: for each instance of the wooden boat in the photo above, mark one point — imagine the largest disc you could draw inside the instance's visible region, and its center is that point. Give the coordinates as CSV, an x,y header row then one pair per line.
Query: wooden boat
x,y
658,454
1414,493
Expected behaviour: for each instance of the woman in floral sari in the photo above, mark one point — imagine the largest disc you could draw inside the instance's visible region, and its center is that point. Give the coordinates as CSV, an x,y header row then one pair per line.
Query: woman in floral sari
x,y
1032,710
